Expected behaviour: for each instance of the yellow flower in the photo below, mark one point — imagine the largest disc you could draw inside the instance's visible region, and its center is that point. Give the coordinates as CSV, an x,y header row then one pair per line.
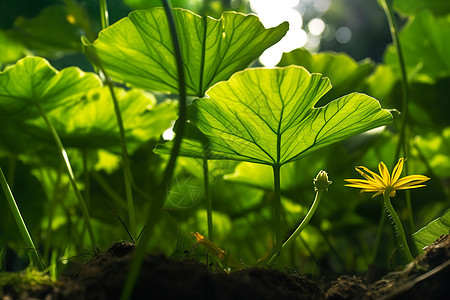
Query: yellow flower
x,y
384,182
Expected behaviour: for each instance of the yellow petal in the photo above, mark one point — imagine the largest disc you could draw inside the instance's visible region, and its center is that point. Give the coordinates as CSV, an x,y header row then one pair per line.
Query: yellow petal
x,y
375,177
360,186
384,173
397,171
364,183
377,193
406,187
410,181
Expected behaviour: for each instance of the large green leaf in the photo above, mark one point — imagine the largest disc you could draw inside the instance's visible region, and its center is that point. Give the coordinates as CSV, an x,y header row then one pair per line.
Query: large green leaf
x,y
32,81
413,7
138,49
427,235
435,148
92,124
268,116
145,4
345,73
426,46
11,49
52,33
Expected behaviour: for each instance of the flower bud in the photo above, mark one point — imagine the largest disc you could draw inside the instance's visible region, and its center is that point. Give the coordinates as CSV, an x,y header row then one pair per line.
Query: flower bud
x,y
321,182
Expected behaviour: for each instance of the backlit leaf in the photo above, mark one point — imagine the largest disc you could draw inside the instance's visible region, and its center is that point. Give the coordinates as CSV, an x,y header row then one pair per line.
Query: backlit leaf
x,y
345,73
426,46
413,7
427,235
268,116
32,81
52,33
138,49
11,49
92,124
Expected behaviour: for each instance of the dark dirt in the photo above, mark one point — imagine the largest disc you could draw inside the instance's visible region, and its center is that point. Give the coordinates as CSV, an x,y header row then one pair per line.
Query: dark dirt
x,y
162,278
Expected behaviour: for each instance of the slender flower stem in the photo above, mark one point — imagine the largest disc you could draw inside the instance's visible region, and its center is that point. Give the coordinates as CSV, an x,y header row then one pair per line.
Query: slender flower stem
x,y
34,255
68,166
402,142
277,218
305,221
156,205
208,200
302,225
321,184
398,225
104,13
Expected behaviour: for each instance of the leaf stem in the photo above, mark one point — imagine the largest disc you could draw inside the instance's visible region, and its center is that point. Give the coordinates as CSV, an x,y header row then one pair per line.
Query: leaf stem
x,y
69,170
104,13
156,205
208,200
389,11
277,218
53,204
87,180
34,256
402,143
398,225
125,157
128,177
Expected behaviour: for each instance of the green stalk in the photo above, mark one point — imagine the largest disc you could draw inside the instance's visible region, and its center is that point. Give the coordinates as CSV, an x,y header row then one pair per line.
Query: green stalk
x,y
87,185
51,213
305,221
156,205
104,14
208,200
302,225
125,158
69,170
321,184
398,225
389,11
277,218
54,265
402,142
34,255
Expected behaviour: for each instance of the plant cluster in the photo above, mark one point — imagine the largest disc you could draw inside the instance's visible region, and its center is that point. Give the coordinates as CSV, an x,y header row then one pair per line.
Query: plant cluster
x,y
82,161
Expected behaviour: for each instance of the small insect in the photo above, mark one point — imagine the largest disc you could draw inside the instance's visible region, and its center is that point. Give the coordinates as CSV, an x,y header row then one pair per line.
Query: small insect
x,y
227,259
210,246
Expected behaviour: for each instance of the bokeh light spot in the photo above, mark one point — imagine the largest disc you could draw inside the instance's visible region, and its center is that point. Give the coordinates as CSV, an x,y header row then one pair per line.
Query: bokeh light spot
x,y
343,35
316,26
